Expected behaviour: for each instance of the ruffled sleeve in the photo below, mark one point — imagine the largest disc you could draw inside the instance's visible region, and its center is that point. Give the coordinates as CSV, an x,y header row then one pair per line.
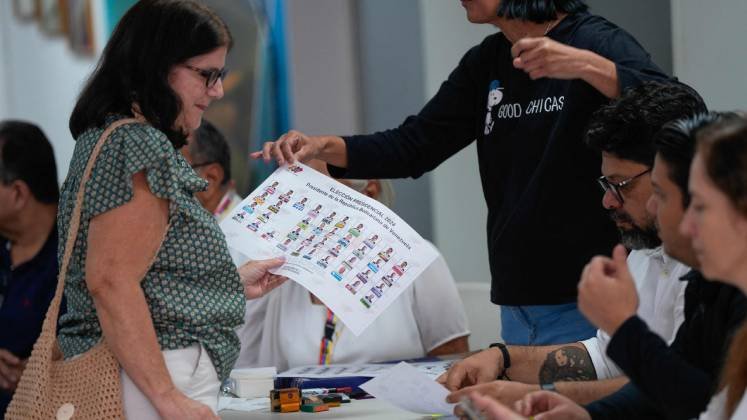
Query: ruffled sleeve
x,y
134,148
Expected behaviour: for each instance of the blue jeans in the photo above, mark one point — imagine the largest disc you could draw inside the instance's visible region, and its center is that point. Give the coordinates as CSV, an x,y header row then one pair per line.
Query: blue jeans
x,y
538,325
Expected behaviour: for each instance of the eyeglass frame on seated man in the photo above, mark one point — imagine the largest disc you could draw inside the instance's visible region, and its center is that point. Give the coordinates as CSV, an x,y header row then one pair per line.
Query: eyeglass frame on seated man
x,y
211,76
616,187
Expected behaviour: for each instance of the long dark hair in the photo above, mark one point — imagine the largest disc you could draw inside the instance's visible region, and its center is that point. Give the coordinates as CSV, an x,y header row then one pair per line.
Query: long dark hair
x,y
152,37
723,146
539,11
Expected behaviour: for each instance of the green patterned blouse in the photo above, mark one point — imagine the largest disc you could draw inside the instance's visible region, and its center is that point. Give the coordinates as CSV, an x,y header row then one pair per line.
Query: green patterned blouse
x,y
193,289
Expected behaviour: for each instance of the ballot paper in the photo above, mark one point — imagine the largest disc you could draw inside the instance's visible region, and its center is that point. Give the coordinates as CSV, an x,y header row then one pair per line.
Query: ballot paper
x,y
432,369
410,389
351,251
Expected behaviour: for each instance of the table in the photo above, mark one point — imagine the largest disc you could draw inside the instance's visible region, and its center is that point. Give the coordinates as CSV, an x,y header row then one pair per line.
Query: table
x,y
359,409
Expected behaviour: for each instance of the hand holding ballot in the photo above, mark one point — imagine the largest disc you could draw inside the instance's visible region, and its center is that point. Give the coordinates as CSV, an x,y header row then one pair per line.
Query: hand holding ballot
x,y
351,251
257,279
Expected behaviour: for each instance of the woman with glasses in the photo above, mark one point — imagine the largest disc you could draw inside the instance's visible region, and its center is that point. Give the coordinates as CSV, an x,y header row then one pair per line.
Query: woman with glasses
x,y
150,270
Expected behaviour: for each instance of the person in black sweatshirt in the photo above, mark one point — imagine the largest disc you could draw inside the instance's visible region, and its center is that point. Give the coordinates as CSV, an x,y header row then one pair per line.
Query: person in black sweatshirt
x,y
525,95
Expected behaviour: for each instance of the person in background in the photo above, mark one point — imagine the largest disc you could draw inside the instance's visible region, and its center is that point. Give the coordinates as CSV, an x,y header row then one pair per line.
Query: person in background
x,y
150,270
28,245
293,328
209,154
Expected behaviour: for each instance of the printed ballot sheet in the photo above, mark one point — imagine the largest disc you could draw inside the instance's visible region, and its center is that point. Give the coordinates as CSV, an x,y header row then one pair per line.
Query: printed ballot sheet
x,y
351,251
410,389
432,369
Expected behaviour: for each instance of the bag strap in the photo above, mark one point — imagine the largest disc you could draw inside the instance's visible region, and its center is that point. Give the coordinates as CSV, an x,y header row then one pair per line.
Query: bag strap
x,y
50,321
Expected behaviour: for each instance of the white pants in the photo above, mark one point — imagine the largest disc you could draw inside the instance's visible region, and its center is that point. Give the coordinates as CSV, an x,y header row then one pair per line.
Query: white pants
x,y
192,372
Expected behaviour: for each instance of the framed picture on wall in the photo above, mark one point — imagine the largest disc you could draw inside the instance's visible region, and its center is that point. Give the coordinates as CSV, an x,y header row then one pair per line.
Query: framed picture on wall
x,y
26,9
52,16
80,27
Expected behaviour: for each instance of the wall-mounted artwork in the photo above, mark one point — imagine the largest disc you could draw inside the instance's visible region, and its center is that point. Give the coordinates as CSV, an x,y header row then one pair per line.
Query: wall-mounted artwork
x,y
80,27
52,16
25,9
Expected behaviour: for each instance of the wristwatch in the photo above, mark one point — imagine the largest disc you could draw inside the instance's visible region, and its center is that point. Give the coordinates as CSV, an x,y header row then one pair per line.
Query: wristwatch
x,y
549,387
506,359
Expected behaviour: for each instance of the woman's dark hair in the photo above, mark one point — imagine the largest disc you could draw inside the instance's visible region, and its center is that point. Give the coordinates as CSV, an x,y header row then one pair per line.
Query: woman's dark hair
x,y
151,38
675,145
539,11
723,146
26,155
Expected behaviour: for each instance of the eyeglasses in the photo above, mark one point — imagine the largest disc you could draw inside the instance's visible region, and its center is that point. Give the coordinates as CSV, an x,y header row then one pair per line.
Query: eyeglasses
x,y
616,187
211,76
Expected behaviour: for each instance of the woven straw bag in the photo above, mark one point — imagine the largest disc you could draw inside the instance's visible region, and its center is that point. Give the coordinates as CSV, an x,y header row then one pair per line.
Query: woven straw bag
x,y
86,387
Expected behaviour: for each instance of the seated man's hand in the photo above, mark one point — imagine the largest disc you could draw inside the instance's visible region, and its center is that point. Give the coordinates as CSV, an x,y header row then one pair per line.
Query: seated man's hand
x,y
493,410
541,405
11,368
257,279
548,405
479,368
506,392
606,293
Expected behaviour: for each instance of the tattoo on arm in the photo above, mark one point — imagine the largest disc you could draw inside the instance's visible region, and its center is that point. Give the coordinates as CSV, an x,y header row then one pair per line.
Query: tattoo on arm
x,y
567,363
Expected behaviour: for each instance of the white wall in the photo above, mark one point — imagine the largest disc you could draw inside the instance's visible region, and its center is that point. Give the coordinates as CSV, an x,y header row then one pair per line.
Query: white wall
x,y
709,49
3,47
41,79
324,70
459,209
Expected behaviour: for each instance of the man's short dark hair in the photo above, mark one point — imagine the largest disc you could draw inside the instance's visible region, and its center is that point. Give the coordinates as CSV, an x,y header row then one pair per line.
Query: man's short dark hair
x,y
539,11
210,146
675,144
26,155
625,128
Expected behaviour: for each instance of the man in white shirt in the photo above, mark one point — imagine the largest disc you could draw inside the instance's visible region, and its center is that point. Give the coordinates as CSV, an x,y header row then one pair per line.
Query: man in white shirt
x,y
290,327
209,154
623,132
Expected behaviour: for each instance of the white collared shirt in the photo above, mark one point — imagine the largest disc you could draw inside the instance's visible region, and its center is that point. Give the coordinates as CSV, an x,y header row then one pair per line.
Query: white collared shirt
x,y
284,329
661,303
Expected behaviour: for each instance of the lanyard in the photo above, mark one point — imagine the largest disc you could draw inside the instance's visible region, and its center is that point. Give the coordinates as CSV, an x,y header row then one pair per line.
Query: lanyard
x,y
328,340
223,205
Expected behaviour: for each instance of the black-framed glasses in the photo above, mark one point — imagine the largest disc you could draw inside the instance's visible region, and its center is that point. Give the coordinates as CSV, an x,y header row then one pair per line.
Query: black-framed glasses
x,y
616,187
211,76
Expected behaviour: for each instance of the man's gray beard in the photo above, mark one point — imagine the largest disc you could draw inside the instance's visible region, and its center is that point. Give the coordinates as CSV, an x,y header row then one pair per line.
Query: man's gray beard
x,y
637,238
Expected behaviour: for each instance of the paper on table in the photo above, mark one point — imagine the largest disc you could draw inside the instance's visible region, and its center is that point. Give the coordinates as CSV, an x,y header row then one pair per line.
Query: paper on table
x,y
432,369
351,251
244,404
411,390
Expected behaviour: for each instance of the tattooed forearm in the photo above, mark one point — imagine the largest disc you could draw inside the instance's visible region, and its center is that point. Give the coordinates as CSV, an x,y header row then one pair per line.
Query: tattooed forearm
x,y
567,363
